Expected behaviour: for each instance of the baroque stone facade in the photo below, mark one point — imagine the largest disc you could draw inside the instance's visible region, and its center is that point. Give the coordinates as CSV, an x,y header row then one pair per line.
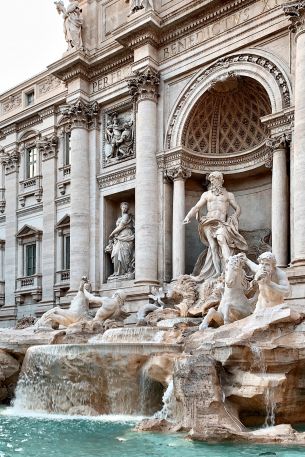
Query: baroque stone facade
x,y
150,98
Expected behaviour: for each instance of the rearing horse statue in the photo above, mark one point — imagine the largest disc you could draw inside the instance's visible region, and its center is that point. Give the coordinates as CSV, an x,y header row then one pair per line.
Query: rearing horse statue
x,y
234,304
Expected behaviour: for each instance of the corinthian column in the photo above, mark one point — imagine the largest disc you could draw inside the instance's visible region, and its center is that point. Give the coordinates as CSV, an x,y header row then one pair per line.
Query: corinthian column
x,y
178,175
296,13
80,115
144,88
280,209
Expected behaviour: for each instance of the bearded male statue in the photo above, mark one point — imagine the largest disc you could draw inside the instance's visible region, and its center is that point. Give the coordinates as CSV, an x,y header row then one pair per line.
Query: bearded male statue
x,y
218,229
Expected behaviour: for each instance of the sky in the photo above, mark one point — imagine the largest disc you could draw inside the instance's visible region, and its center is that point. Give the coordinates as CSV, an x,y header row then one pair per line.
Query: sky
x,y
31,37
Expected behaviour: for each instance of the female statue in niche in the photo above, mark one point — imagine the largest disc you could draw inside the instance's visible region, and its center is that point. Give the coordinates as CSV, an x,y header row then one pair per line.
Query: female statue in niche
x,y
73,23
121,245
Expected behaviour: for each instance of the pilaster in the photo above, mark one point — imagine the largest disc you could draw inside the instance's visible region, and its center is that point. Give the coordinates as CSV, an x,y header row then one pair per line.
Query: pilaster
x,y
48,148
296,13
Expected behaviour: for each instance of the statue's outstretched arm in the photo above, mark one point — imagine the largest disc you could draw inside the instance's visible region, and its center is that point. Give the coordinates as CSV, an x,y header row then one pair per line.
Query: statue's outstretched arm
x,y
92,298
202,202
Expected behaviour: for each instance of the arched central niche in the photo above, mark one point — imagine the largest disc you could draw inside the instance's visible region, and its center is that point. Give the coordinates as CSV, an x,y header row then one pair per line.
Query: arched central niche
x,y
227,117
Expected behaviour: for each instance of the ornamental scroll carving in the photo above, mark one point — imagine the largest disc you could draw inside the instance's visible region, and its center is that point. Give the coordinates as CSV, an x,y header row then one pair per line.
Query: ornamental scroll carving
x,y
80,113
48,147
144,85
10,160
281,141
296,13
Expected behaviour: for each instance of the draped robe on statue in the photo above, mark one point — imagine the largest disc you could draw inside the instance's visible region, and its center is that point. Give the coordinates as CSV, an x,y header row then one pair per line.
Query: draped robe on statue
x,y
204,268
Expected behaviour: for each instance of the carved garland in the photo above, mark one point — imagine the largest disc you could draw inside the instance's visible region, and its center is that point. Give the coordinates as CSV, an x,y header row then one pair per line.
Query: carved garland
x,y
225,63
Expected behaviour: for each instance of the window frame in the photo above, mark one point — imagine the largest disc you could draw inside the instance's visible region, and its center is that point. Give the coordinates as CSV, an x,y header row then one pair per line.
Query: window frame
x,y
30,270
31,166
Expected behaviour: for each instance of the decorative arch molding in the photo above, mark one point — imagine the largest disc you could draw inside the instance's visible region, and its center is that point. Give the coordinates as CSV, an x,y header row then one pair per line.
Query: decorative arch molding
x,y
259,66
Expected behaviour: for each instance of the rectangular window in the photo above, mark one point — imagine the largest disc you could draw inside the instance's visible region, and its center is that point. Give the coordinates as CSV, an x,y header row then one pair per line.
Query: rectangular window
x,y
66,252
29,98
30,256
67,148
31,163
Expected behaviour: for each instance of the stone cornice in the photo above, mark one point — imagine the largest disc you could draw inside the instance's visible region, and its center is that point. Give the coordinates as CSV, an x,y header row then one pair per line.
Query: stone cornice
x,y
105,68
117,177
182,157
201,19
279,122
296,13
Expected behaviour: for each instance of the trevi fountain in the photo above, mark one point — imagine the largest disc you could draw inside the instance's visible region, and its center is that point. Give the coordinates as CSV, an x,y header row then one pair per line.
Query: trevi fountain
x,y
176,322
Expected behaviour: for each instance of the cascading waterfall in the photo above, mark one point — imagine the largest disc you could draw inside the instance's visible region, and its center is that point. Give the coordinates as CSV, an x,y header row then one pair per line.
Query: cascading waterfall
x,y
167,400
269,392
90,379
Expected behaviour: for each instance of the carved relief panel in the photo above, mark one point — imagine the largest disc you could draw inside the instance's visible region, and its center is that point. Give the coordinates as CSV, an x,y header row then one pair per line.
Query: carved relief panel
x,y
119,135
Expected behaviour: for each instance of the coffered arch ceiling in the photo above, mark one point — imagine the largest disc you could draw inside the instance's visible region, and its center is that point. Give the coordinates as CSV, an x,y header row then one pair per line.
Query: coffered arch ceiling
x,y
226,118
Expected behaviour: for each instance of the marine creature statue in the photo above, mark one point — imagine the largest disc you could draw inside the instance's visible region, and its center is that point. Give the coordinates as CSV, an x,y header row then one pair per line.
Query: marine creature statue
x,y
111,309
272,281
234,304
78,310
184,294
157,295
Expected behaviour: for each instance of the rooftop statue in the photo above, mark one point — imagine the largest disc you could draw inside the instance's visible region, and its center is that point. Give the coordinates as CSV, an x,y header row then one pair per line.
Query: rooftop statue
x,y
73,23
136,5
217,228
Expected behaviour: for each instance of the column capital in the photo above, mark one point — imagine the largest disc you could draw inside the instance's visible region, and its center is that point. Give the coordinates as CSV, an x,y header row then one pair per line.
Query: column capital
x,y
10,160
144,85
178,173
48,147
296,14
276,143
80,113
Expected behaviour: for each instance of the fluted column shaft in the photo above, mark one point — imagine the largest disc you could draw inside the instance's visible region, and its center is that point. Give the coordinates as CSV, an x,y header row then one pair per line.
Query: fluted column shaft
x,y
144,88
296,12
178,176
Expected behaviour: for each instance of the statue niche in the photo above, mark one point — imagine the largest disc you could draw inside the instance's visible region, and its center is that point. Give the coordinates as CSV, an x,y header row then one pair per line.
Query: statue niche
x,y
121,246
119,138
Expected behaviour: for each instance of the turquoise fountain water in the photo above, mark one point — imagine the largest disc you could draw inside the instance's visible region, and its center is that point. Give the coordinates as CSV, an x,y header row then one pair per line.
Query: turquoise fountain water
x,y
52,436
